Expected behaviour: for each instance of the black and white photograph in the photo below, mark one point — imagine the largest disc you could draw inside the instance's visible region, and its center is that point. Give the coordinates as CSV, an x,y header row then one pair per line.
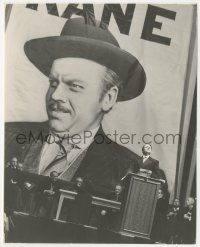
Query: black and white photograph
x,y
100,123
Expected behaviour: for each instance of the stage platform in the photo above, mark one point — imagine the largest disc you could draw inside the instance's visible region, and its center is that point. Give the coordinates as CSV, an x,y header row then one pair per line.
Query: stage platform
x,y
29,229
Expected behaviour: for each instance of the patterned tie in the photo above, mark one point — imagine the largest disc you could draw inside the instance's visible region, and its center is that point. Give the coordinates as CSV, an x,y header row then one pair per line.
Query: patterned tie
x,y
60,161
145,158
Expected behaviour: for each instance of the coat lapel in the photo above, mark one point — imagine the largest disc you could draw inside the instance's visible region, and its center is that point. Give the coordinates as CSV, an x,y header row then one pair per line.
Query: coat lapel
x,y
148,161
32,157
32,152
97,159
68,174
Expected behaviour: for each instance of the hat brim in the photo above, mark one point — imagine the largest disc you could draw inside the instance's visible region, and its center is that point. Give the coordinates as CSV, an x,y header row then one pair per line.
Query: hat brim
x,y
43,51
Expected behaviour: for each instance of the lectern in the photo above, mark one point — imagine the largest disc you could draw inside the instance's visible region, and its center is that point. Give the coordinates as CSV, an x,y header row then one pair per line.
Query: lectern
x,y
139,205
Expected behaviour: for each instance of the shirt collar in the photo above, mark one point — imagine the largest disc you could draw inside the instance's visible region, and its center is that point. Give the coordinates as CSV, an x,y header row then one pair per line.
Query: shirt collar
x,y
81,141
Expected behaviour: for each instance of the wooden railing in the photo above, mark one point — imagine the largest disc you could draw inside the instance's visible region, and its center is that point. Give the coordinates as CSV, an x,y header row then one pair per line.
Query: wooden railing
x,y
98,201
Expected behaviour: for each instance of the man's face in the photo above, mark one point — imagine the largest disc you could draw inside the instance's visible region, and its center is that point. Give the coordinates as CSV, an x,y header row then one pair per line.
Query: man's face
x,y
146,149
160,194
73,98
54,176
14,162
176,202
190,201
19,166
118,189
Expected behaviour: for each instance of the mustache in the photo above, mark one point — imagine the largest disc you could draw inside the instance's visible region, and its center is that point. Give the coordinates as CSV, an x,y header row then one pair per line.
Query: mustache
x,y
58,107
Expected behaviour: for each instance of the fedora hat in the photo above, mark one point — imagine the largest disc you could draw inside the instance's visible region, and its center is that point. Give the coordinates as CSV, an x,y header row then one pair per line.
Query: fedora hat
x,y
92,42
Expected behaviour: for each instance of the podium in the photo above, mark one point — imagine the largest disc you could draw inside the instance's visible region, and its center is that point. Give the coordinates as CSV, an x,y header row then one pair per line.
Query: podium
x,y
135,212
138,207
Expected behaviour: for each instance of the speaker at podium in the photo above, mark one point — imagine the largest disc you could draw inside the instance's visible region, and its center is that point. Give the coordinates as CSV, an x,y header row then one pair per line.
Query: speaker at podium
x,y
138,208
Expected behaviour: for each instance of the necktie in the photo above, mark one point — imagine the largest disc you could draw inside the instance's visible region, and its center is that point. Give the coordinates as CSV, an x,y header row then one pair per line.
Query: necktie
x,y
60,161
145,158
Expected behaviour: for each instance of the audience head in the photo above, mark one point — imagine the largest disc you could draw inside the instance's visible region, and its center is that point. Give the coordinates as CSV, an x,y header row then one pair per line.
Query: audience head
x,y
146,149
19,166
160,193
176,202
54,175
118,189
8,164
79,182
190,202
14,162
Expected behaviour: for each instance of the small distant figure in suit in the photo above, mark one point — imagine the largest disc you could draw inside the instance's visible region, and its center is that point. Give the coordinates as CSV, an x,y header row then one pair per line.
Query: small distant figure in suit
x,y
148,163
188,222
80,209
47,197
50,188
172,229
28,195
106,218
114,215
117,194
13,195
159,223
174,209
118,191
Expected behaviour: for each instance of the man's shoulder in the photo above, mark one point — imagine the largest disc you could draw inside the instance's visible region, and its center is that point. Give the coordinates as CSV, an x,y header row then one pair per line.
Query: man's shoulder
x,y
23,127
23,130
154,160
112,148
125,152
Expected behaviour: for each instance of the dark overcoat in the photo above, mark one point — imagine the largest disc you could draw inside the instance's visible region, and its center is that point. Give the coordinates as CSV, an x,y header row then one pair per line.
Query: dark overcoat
x,y
103,166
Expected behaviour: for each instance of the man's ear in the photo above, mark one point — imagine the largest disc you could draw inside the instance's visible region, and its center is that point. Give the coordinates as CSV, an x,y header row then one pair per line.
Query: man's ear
x,y
109,99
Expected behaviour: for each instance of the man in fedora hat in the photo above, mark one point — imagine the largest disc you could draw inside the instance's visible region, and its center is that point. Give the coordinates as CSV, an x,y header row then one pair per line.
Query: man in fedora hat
x,y
88,73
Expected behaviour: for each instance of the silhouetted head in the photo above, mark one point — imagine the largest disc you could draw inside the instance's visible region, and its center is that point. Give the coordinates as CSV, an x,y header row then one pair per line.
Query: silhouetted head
x,y
54,175
146,149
